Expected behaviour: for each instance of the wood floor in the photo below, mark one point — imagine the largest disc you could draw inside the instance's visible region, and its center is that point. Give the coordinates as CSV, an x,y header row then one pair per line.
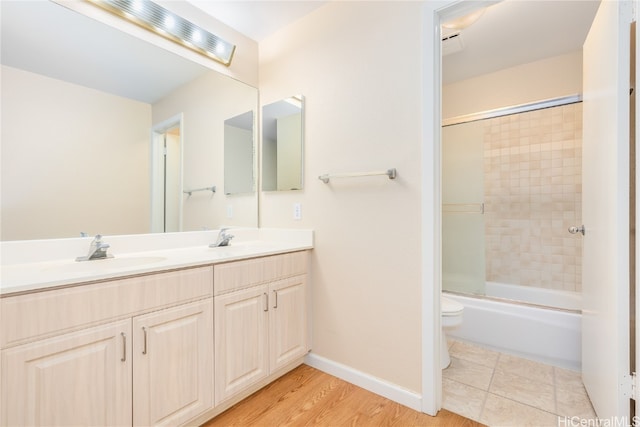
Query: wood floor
x,y
308,397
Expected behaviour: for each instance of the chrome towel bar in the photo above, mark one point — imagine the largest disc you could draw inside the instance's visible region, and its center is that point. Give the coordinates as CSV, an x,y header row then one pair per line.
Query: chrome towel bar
x,y
212,189
391,173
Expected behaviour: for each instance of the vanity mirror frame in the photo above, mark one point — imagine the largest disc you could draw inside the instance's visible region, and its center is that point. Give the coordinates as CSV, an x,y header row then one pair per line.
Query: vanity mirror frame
x,y
283,134
97,201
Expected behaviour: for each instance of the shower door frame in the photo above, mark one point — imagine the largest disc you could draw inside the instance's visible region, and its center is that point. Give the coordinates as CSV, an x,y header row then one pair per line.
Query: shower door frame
x,y
496,113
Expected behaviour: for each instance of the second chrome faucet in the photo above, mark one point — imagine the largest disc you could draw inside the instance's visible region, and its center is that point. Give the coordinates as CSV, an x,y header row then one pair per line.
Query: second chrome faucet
x,y
223,238
97,250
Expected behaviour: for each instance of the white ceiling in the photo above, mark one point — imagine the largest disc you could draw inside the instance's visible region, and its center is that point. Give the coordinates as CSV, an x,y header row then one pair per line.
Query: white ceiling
x,y
509,33
257,19
43,37
515,32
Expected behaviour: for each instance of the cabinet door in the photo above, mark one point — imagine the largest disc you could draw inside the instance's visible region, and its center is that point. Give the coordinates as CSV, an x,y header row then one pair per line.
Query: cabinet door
x,y
77,379
173,364
288,321
241,340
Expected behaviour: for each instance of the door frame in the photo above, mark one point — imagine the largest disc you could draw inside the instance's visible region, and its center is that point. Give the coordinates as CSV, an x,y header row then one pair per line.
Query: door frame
x,y
635,292
157,170
434,13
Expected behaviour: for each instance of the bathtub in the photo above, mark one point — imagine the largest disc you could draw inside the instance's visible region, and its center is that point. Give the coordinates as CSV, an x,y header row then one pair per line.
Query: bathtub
x,y
547,335
538,296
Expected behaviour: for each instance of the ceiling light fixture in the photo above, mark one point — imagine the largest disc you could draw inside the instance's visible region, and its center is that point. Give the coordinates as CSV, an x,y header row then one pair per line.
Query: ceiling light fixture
x,y
161,21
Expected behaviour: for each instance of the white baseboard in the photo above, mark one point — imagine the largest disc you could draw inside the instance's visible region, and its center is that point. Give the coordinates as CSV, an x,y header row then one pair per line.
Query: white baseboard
x,y
375,385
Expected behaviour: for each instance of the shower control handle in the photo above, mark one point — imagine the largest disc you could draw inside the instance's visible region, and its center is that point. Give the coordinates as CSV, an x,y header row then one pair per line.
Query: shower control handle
x,y
576,230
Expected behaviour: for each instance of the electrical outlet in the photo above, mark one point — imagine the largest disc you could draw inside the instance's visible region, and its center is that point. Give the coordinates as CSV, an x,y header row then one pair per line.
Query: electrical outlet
x,y
297,211
229,211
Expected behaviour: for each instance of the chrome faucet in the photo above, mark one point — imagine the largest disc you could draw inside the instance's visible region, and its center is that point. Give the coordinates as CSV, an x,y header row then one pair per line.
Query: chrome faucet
x,y
223,238
97,250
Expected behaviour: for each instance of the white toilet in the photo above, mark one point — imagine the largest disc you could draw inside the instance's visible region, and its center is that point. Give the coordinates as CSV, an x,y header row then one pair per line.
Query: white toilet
x,y
451,317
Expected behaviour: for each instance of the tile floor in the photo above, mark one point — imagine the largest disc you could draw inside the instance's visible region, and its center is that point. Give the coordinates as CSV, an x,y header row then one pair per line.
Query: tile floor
x,y
498,389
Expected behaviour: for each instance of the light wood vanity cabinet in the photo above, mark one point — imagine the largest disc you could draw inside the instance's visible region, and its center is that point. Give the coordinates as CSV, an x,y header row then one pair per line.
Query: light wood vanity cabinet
x,y
260,320
140,350
151,366
74,379
173,364
287,321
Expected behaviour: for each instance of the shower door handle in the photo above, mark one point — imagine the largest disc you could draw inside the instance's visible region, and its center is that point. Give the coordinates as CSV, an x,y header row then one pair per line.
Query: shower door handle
x,y
576,230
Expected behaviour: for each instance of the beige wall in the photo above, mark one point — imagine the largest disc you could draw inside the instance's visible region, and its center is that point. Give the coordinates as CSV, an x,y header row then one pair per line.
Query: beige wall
x,y
358,64
548,78
61,164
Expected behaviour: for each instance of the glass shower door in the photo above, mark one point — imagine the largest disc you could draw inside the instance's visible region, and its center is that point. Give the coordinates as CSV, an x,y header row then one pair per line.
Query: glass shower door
x,y
463,227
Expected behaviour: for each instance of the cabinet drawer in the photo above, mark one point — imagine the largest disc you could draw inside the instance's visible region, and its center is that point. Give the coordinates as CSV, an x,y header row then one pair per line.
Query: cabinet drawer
x,y
41,314
244,274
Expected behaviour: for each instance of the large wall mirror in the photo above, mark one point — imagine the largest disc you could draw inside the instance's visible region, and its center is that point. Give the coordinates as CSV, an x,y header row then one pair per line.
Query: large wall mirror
x,y
105,133
282,144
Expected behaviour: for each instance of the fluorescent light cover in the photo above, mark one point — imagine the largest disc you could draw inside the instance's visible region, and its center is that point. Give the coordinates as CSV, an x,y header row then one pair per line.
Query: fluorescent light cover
x,y
161,21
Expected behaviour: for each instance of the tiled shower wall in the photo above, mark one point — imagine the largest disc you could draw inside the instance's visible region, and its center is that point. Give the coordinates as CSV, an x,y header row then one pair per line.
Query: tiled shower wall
x,y
533,194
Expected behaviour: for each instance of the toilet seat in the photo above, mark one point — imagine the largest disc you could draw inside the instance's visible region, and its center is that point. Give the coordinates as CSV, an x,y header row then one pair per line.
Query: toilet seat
x,y
450,308
451,312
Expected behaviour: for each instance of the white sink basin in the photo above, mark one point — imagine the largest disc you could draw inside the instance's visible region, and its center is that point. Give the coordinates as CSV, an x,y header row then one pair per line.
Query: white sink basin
x,y
103,264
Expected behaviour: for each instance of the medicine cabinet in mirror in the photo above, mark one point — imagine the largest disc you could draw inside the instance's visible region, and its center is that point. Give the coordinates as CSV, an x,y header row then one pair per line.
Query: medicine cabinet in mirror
x,y
283,144
81,101
239,153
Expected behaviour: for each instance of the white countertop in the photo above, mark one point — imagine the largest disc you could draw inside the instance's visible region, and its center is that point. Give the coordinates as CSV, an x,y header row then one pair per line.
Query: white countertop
x,y
40,275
